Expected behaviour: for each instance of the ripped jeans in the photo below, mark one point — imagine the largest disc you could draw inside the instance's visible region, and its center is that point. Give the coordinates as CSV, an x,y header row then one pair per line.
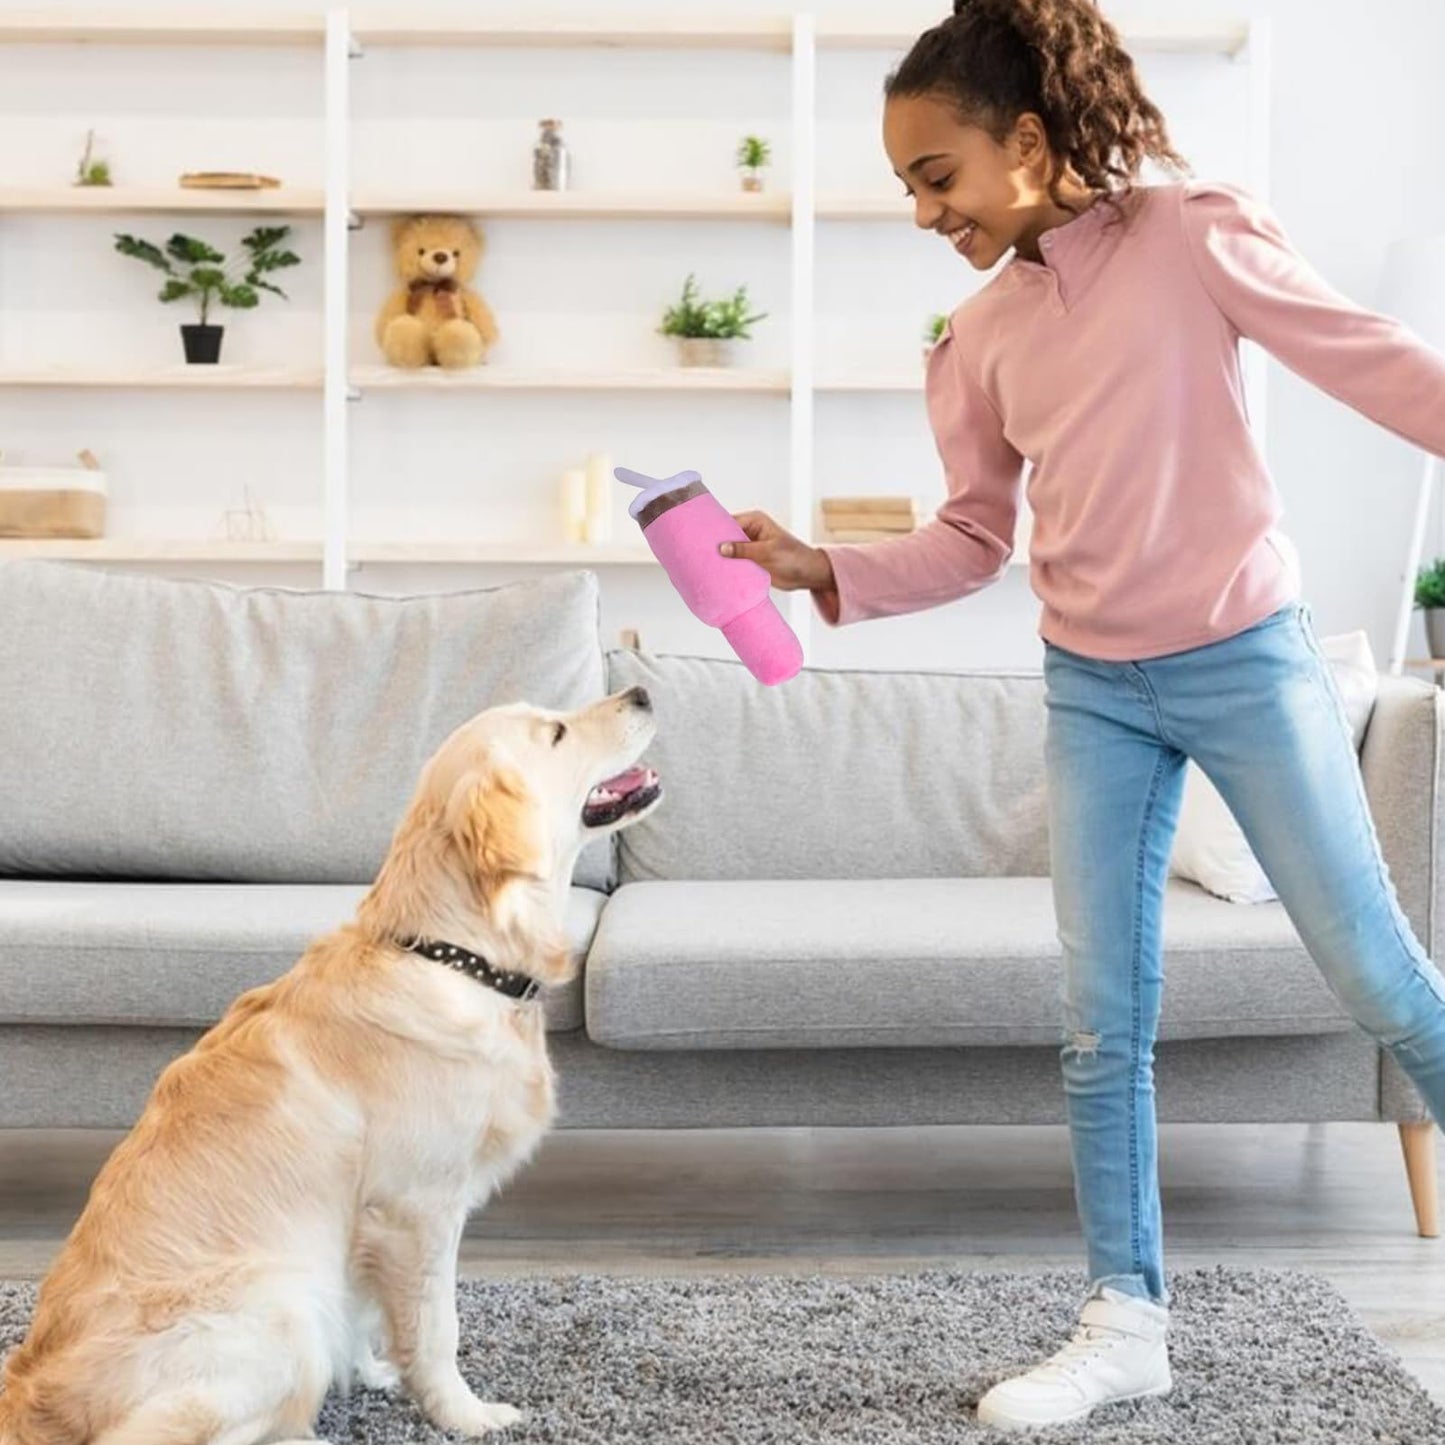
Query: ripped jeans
x,y
1261,715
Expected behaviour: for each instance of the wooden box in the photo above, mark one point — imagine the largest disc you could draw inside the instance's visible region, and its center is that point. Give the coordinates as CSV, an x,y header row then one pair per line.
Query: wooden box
x,y
51,502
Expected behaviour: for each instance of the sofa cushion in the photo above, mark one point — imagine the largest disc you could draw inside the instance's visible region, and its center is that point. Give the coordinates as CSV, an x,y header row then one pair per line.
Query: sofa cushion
x,y
839,774
177,954
155,728
914,963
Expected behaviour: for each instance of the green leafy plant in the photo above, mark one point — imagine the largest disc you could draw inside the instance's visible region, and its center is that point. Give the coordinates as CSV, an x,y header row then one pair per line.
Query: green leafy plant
x,y
196,268
933,332
90,172
1430,585
722,319
753,153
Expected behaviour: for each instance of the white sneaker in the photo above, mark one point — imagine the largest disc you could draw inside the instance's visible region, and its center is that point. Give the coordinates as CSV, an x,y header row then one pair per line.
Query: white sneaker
x,y
1118,1352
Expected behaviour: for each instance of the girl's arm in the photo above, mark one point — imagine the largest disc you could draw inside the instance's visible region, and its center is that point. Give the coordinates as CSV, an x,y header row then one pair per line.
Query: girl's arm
x,y
969,541
1272,295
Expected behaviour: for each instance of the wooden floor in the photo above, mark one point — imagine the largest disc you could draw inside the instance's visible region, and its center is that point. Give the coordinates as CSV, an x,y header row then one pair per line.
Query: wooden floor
x,y
1330,1198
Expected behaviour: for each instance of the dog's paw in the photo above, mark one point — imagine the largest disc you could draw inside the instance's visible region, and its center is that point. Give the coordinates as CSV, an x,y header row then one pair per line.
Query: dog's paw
x,y
376,1373
478,1417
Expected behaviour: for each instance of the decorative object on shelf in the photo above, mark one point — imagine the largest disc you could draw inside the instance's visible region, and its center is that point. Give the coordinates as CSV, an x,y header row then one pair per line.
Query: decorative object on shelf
x,y
684,524
754,154
868,519
551,160
707,330
204,276
1430,599
89,172
574,505
248,523
599,498
933,334
227,181
434,316
52,501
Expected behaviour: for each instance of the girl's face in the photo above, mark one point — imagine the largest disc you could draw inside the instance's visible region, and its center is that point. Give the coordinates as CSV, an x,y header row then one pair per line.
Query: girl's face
x,y
981,196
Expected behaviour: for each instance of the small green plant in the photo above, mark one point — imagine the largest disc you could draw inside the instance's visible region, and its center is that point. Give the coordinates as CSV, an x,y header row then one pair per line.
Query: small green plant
x,y
753,153
1430,585
722,319
90,172
933,332
195,268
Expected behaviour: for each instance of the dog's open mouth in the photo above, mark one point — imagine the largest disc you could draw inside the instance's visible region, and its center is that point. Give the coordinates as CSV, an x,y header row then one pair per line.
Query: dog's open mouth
x,y
615,798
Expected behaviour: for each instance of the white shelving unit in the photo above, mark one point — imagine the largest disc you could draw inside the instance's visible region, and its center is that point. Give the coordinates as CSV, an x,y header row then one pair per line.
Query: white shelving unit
x,y
343,38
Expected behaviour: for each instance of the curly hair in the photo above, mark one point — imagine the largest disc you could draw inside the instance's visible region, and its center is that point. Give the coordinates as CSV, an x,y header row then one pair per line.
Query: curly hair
x,y
1062,60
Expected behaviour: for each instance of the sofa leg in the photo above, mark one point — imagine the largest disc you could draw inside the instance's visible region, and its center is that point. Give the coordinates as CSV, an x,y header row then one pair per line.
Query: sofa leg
x,y
1418,1142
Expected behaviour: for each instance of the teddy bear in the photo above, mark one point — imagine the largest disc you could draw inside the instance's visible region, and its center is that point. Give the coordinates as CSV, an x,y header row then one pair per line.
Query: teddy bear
x,y
434,315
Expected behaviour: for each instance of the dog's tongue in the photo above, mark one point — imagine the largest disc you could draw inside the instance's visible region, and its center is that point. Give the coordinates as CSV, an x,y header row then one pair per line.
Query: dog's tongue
x,y
626,782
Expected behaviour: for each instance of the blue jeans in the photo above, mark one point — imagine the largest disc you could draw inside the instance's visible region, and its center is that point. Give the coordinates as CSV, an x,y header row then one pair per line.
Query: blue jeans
x,y
1261,715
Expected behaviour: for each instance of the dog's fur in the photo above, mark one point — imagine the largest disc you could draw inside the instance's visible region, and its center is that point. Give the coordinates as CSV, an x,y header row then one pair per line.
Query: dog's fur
x,y
294,1192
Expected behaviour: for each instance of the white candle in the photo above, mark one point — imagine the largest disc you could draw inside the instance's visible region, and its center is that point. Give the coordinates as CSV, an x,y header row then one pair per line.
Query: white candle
x,y
574,505
600,487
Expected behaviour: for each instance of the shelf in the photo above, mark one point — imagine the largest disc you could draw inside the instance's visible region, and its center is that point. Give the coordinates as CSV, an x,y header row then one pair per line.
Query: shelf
x,y
181,376
583,205
716,32
201,549
190,26
148,549
513,378
772,206
51,200
1204,39
519,553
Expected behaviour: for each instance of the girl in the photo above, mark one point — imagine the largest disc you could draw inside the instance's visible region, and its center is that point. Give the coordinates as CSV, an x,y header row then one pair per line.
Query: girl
x,y
1105,352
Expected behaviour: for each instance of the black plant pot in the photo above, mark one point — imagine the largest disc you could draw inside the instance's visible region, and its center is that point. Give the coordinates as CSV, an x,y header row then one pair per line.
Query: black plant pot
x,y
202,343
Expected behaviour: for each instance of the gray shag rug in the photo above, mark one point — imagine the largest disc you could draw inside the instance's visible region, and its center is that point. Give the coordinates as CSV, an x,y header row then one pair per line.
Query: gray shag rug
x,y
1260,1357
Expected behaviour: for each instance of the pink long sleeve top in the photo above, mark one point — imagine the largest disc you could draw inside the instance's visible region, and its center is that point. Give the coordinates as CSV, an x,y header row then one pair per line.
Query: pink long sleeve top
x,y
1112,367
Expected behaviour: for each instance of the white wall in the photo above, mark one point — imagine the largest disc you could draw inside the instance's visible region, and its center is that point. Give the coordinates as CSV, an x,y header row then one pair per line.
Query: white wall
x,y
1356,120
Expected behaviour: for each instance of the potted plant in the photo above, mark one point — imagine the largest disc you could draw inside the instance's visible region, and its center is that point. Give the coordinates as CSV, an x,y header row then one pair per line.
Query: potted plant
x,y
933,333
753,155
90,172
1430,598
194,268
706,330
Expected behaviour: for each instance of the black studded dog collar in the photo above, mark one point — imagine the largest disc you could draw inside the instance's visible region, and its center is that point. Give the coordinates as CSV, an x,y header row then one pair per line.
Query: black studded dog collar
x,y
520,986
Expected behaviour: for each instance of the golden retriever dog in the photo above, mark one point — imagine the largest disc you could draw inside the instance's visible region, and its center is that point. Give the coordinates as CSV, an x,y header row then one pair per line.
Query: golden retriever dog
x,y
286,1213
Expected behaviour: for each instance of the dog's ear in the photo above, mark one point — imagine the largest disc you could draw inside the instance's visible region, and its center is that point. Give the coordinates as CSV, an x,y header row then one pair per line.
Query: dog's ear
x,y
495,823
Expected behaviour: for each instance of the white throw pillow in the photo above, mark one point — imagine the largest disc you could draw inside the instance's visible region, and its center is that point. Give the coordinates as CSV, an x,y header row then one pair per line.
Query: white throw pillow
x,y
1209,846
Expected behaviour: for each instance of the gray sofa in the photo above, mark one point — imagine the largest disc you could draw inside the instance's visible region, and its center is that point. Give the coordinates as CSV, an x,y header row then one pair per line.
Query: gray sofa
x,y
841,915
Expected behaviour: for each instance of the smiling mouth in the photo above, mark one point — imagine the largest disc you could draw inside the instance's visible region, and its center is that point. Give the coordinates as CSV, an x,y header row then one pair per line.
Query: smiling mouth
x,y
961,238
621,796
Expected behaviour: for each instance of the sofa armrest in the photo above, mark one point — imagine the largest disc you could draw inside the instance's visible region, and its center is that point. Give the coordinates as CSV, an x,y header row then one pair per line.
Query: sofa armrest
x,y
1401,762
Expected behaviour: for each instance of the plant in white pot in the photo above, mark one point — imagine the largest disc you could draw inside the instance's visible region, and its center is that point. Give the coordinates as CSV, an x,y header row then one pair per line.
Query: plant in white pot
x,y
707,331
1430,598
753,154
195,268
88,170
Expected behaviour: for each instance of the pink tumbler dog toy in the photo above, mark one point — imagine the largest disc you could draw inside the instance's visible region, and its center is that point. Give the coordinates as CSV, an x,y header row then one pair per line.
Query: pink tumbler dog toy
x,y
684,524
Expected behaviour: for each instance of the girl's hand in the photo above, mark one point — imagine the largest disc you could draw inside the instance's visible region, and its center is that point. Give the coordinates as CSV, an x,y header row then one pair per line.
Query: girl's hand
x,y
789,562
